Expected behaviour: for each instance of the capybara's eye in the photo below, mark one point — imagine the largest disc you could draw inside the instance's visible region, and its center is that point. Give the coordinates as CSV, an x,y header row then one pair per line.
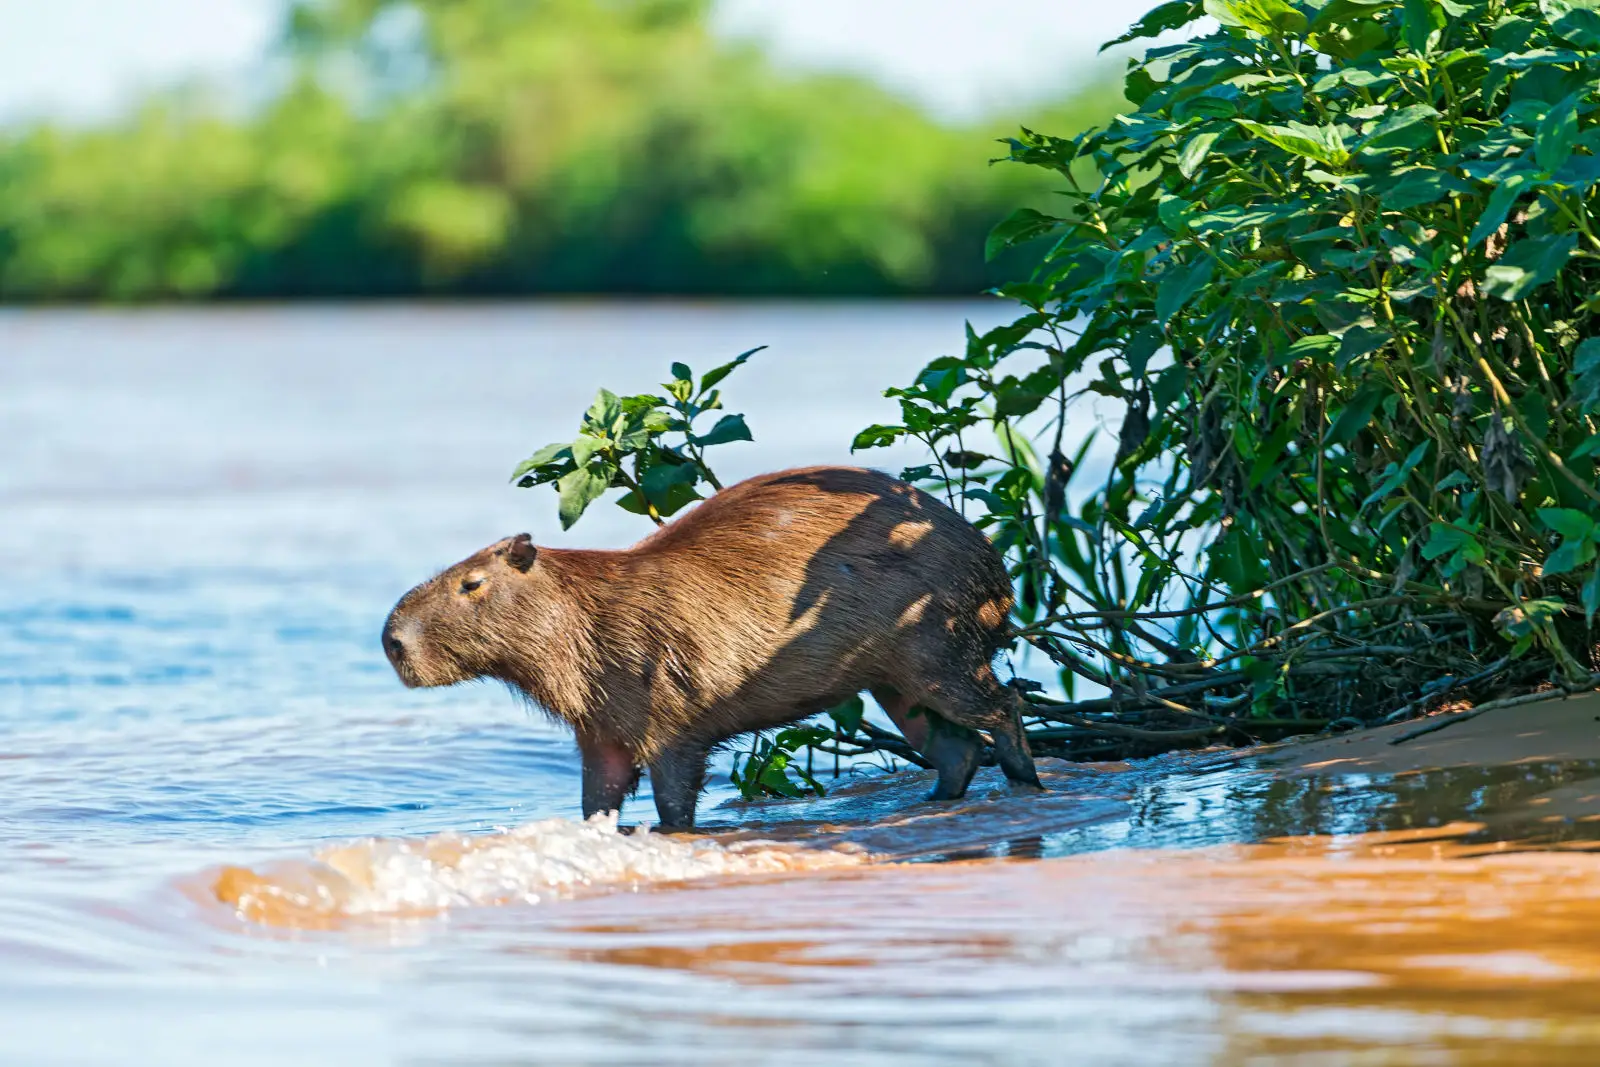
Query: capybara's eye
x,y
469,584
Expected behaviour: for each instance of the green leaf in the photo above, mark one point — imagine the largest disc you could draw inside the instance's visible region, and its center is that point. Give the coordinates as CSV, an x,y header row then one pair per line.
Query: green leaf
x,y
1402,128
1141,346
1422,23
1271,453
1266,17
728,428
1570,523
1355,417
1528,264
877,436
1322,143
1578,172
605,410
713,377
1445,539
1522,619
1168,16
1588,448
1395,475
540,458
657,421
1577,21
1359,341
682,373
1023,224
1179,286
1422,185
1591,596
1558,132
1569,557
580,488
1586,357
1498,208
584,448
1194,153
1313,346
670,487
1169,387
847,716
1347,29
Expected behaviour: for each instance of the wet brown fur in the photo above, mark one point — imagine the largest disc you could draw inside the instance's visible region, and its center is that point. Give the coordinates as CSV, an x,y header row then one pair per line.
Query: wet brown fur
x,y
772,600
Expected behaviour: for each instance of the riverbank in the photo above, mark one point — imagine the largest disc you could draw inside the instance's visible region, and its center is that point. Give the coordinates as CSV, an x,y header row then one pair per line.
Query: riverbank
x,y
1521,779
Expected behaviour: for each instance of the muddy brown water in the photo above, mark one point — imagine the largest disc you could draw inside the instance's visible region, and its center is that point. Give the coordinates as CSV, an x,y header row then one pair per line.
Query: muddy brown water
x,y
1337,901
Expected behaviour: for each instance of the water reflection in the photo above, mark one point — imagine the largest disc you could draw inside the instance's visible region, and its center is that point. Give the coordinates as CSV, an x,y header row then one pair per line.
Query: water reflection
x,y
1380,953
1237,805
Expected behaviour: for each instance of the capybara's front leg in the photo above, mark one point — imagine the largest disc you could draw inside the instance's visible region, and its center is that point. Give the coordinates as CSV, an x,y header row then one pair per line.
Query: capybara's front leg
x,y
676,777
1011,747
609,775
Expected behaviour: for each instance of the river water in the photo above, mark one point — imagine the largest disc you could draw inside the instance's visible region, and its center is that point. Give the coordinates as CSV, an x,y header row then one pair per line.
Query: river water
x,y
227,834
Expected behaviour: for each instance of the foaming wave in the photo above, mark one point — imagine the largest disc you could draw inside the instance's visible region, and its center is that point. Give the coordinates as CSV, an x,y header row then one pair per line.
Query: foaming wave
x,y
546,860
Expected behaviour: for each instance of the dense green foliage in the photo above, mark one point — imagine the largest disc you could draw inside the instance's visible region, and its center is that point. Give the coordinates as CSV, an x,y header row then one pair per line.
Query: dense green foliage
x,y
512,146
1340,270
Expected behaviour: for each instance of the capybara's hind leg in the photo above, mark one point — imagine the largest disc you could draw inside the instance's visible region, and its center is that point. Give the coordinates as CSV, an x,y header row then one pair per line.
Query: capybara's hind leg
x,y
676,777
954,752
898,706
949,749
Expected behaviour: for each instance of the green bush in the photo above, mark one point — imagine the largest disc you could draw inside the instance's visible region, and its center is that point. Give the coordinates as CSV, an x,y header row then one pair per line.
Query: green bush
x,y
1339,267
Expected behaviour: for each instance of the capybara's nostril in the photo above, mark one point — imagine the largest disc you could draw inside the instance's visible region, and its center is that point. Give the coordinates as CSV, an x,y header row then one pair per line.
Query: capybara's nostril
x,y
392,645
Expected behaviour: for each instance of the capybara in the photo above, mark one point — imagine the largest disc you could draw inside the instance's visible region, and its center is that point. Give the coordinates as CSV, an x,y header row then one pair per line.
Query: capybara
x,y
772,600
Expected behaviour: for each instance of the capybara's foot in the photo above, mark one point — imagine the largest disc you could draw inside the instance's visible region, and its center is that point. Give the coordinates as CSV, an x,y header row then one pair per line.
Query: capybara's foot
x,y
954,752
676,777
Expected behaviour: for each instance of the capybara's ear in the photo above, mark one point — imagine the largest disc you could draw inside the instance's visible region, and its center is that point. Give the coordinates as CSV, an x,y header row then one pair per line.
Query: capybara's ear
x,y
519,552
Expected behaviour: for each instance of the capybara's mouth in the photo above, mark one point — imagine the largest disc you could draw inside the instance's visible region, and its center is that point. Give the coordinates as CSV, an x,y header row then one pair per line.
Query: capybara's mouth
x,y
414,675
396,652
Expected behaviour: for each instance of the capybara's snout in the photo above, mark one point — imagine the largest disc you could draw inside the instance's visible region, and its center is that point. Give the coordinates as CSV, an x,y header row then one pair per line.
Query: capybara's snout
x,y
400,637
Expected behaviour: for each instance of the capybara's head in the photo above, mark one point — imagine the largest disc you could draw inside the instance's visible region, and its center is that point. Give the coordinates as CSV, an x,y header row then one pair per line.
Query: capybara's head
x,y
449,629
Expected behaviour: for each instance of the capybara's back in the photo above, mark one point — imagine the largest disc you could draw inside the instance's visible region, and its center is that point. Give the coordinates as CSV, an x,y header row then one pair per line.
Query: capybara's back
x,y
775,599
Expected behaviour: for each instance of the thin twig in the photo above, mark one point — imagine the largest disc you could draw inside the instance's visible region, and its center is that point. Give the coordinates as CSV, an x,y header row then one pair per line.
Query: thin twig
x,y
1115,730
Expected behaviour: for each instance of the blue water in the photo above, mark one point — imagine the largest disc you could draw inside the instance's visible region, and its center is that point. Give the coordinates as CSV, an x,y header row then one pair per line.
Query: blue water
x,y
204,518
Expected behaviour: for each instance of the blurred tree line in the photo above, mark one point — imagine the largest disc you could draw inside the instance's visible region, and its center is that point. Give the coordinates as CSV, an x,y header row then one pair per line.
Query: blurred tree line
x,y
515,146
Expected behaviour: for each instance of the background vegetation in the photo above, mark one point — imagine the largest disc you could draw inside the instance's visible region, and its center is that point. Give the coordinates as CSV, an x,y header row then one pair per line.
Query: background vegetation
x,y
509,147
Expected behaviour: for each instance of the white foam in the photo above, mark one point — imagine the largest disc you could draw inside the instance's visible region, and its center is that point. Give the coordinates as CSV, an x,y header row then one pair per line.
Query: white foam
x,y
530,864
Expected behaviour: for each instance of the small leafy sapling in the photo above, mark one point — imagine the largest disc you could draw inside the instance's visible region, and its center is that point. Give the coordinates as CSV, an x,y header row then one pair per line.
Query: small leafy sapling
x,y
646,444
